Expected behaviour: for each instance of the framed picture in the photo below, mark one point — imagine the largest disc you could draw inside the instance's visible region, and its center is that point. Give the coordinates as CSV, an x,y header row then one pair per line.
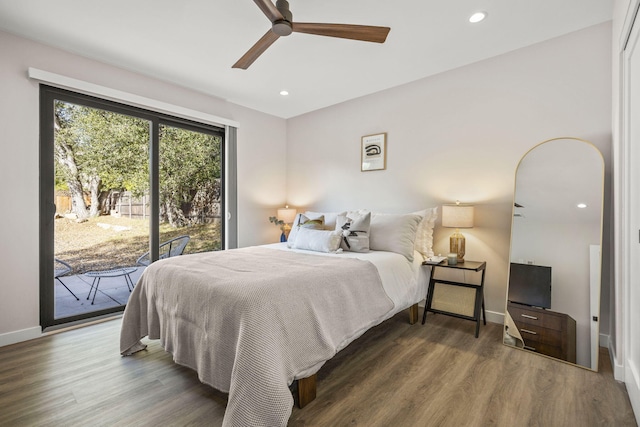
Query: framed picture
x,y
373,152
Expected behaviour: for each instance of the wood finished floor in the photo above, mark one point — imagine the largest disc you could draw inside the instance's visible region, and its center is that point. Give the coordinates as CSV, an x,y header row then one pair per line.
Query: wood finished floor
x,y
394,375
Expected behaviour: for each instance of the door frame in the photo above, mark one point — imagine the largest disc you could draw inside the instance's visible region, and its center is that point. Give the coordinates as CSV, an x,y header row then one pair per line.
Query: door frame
x,y
626,349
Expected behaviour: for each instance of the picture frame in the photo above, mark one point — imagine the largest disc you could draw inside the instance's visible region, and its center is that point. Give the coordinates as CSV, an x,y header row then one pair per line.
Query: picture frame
x,y
373,152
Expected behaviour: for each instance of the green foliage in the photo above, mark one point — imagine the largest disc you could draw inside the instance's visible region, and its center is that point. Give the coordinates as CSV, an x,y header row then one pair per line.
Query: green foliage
x,y
60,184
276,221
104,144
189,161
94,145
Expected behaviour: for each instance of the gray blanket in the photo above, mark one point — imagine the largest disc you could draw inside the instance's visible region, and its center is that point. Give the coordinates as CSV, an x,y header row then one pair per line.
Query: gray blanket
x,y
252,320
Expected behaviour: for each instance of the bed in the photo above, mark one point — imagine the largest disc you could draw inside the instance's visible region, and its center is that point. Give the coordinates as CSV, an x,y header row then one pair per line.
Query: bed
x,y
251,321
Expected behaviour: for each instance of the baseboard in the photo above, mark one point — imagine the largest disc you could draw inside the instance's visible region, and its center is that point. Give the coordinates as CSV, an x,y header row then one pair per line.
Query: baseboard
x,y
19,336
36,332
604,340
634,397
495,317
492,316
632,382
618,370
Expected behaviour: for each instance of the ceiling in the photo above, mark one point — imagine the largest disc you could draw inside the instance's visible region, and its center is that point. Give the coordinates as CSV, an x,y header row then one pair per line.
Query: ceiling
x,y
194,43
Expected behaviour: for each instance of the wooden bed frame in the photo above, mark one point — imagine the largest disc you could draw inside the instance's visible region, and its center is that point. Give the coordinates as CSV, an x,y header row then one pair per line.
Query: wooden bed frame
x,y
304,389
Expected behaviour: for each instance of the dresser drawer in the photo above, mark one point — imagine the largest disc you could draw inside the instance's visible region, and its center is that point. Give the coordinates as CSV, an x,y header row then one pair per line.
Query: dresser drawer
x,y
539,317
548,332
546,349
530,332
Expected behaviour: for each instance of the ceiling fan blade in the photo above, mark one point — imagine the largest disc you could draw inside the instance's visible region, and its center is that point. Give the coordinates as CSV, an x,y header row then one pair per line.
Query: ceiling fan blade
x,y
269,9
256,50
365,33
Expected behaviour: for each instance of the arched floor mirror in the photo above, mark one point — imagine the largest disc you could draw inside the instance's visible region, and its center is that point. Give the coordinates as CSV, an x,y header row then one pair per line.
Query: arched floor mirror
x,y
553,296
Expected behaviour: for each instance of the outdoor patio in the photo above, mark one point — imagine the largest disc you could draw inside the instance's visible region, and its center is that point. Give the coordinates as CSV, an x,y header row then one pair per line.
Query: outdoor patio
x,y
112,292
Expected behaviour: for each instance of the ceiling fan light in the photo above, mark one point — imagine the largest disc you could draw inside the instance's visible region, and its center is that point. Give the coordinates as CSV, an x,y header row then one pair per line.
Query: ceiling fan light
x,y
282,24
477,17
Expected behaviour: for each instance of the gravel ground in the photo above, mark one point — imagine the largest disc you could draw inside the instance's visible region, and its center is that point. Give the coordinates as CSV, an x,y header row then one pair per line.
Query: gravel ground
x,y
108,242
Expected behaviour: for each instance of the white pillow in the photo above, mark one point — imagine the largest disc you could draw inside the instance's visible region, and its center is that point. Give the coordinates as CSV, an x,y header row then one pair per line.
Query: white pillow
x,y
329,218
302,221
317,240
354,227
394,233
424,234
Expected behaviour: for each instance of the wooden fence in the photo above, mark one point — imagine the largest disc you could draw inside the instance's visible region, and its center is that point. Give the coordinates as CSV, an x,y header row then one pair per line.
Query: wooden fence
x,y
131,207
63,202
124,204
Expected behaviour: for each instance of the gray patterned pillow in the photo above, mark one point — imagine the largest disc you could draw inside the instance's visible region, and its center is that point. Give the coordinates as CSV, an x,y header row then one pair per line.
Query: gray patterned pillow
x,y
355,227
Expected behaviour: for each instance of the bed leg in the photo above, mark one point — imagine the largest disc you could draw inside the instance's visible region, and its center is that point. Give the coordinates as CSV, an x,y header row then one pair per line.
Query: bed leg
x,y
306,390
413,314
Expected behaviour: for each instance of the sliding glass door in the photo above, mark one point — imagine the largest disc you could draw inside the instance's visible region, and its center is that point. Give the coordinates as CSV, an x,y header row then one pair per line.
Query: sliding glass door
x,y
120,187
190,187
101,185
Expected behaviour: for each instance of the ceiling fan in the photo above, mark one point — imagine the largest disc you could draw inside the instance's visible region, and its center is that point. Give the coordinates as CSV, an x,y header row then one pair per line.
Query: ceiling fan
x,y
282,25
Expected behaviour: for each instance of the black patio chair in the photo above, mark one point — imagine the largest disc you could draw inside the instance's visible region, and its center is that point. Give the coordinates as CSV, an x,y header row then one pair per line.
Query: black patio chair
x,y
61,268
168,249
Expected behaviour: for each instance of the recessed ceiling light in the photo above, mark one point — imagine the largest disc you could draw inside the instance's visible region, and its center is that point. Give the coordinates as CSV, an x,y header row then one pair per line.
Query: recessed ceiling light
x,y
284,93
477,17
582,205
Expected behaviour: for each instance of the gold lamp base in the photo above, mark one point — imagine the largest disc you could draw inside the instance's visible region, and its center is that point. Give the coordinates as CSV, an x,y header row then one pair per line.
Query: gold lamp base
x,y
286,229
457,245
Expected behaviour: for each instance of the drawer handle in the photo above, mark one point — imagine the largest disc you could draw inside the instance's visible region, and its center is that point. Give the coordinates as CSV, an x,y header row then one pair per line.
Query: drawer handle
x,y
528,331
529,317
529,348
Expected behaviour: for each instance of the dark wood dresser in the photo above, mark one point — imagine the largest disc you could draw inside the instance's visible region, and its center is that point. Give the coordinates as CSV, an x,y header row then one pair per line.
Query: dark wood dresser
x,y
546,332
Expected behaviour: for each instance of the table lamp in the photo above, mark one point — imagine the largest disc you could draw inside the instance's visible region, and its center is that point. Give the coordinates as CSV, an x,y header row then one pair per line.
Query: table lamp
x,y
457,216
286,215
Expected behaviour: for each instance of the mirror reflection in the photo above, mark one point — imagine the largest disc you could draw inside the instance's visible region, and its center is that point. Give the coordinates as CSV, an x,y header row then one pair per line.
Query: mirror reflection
x,y
553,297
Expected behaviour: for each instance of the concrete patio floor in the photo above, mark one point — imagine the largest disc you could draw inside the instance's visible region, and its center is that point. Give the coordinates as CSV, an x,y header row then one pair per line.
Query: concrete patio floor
x,y
112,292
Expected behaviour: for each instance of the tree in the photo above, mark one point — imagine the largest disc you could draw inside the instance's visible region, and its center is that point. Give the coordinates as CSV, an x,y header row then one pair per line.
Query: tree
x,y
97,151
190,167
100,151
64,154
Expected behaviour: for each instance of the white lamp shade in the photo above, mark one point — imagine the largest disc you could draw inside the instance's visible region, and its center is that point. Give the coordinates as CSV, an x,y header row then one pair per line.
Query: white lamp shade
x,y
457,216
286,215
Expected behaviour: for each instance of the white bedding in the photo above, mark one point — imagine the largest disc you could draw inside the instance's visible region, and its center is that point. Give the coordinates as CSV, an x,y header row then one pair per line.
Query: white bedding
x,y
404,282
233,329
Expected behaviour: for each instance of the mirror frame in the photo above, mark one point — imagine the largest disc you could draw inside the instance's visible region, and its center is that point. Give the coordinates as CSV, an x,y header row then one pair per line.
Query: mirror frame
x,y
599,263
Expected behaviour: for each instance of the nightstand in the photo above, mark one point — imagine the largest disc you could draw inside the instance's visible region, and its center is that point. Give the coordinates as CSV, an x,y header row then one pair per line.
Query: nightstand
x,y
458,299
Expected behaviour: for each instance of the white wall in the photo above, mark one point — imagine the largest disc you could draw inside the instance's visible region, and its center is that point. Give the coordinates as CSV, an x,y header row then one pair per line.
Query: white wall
x,y
458,136
261,165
